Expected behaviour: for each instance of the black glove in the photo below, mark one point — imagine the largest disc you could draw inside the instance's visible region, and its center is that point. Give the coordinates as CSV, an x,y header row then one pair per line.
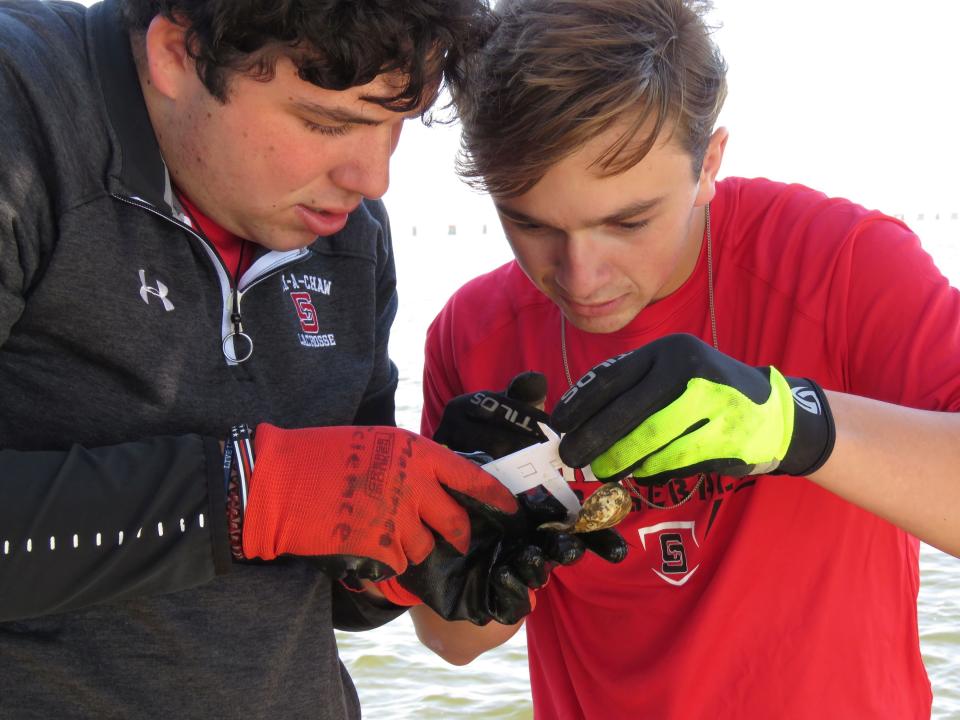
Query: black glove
x,y
495,578
496,423
677,407
491,581
487,425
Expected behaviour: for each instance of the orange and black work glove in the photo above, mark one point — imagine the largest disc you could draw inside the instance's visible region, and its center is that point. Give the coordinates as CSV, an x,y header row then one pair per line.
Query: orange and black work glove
x,y
495,424
367,501
493,580
496,578
677,407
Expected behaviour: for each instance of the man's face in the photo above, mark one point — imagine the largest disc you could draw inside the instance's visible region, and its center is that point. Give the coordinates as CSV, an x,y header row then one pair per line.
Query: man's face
x,y
603,248
283,161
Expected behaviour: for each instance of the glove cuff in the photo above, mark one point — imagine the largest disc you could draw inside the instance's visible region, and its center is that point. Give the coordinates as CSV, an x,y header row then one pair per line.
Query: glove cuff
x,y
813,430
238,461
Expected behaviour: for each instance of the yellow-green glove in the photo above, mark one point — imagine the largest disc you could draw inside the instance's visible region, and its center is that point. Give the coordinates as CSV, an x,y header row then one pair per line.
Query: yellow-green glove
x,y
677,406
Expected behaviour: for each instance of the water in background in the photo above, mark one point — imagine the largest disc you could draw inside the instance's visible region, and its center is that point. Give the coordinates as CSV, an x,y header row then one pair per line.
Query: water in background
x,y
398,678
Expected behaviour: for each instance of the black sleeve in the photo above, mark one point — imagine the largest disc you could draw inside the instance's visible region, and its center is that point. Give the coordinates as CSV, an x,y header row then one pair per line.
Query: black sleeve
x,y
84,526
356,611
80,526
378,406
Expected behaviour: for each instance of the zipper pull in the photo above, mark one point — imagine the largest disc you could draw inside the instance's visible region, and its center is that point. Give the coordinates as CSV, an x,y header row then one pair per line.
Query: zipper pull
x,y
229,344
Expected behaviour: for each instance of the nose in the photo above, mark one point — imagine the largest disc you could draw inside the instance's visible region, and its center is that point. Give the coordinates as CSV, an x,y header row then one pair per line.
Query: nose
x,y
366,168
581,268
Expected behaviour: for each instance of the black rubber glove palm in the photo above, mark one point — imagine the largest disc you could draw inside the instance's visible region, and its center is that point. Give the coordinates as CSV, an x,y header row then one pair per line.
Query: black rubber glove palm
x,y
490,581
493,580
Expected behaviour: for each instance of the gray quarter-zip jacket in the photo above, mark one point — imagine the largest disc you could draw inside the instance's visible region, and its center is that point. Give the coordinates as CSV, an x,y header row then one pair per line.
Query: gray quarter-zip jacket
x,y
117,595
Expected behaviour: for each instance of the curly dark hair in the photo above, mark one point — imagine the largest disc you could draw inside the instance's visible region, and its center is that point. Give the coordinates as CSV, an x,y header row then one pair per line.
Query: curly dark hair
x,y
335,44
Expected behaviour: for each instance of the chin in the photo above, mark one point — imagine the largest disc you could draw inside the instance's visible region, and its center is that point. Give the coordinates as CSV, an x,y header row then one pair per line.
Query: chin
x,y
599,325
285,241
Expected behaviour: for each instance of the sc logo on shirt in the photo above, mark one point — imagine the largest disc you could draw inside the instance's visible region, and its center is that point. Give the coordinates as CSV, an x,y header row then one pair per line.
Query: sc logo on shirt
x,y
309,319
672,548
306,312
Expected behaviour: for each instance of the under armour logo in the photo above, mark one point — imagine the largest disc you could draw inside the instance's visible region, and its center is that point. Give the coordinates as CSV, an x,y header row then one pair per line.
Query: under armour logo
x,y
160,291
807,399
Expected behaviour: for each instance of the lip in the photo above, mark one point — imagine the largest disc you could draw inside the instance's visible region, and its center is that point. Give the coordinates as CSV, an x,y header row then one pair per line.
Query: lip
x,y
322,222
592,310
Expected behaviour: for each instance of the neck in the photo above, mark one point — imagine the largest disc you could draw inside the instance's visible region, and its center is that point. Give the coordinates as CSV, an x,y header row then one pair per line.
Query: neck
x,y
164,118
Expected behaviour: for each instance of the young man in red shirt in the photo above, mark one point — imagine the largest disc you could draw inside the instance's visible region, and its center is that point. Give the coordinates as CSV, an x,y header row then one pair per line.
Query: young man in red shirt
x,y
776,372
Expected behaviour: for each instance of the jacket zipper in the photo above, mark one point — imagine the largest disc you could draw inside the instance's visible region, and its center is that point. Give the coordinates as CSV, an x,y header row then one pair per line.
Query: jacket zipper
x,y
235,295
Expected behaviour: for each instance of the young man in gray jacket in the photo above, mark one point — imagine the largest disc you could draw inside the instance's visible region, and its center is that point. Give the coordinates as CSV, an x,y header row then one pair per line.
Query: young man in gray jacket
x,y
190,239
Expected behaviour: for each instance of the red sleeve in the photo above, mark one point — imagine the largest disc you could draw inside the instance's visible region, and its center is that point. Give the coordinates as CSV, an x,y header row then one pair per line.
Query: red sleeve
x,y
901,325
440,379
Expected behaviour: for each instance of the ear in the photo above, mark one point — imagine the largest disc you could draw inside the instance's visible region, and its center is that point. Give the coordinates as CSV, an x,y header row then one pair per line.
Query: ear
x,y
711,166
169,66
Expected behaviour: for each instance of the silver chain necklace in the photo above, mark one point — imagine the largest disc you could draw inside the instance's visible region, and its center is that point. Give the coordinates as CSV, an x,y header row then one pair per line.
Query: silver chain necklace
x,y
628,481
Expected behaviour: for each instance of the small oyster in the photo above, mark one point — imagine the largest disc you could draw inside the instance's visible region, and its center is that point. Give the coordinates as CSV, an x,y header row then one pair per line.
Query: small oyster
x,y
606,507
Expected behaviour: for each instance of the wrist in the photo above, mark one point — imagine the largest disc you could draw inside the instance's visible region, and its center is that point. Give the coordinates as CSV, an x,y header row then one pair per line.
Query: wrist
x,y
813,434
238,463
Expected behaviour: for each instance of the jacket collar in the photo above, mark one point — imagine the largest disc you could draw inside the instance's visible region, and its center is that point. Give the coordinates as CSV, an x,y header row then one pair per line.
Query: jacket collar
x,y
138,170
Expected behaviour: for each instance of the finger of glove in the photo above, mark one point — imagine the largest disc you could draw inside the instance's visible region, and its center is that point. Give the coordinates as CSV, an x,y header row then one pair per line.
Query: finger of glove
x,y
494,526
560,547
729,432
530,567
655,444
448,505
529,387
457,473
417,541
541,506
601,385
610,405
607,544
446,516
510,599
393,591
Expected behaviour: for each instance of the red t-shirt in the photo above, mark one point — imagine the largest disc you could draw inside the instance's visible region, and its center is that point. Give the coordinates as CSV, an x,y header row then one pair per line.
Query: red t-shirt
x,y
760,597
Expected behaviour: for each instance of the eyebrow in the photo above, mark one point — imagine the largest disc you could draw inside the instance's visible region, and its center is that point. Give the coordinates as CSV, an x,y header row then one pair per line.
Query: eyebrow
x,y
632,210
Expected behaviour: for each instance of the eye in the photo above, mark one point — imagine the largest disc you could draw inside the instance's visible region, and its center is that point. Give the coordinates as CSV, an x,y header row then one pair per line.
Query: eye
x,y
631,226
527,226
329,130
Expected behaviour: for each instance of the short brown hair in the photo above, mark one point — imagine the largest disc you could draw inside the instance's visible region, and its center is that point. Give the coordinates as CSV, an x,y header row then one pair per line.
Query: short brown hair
x,y
554,74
